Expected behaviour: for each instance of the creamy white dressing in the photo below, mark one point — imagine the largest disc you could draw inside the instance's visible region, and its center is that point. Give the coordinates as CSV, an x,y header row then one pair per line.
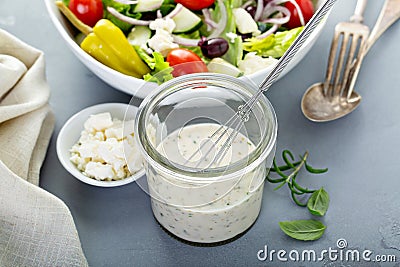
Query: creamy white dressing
x,y
205,211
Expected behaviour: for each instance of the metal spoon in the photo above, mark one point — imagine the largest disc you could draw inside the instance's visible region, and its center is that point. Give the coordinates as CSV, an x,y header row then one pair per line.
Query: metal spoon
x,y
319,107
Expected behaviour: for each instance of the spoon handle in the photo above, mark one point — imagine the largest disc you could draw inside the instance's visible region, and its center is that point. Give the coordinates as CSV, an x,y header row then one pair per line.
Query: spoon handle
x,y
297,43
389,14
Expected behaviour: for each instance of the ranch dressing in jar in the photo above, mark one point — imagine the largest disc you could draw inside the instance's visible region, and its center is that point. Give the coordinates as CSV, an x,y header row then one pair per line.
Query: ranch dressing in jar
x,y
208,211
204,203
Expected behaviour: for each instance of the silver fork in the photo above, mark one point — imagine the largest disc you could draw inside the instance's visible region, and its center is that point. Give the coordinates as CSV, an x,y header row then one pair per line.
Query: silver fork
x,y
389,14
351,36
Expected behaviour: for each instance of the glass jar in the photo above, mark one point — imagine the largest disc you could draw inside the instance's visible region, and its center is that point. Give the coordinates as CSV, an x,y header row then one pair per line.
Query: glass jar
x,y
209,203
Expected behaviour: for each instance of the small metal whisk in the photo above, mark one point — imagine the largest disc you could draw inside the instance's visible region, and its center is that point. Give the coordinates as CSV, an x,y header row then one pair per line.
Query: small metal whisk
x,y
230,130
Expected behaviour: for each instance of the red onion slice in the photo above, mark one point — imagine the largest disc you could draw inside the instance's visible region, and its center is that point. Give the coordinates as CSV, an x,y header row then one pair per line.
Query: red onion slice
x,y
278,2
222,20
269,8
269,32
248,3
175,11
259,10
127,19
279,20
208,20
185,41
126,2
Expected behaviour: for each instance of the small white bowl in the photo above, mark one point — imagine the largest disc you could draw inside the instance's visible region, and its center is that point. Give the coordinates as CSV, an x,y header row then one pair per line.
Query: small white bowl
x,y
71,132
134,86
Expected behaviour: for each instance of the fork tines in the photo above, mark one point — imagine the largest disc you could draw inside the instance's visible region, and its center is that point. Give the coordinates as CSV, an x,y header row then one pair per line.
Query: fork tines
x,y
346,46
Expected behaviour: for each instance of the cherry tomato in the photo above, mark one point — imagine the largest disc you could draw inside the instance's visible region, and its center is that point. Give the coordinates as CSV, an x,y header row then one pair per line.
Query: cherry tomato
x,y
88,11
307,9
185,62
195,4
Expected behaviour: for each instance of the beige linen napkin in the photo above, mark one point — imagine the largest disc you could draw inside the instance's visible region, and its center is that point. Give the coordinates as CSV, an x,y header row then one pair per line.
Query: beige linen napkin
x,y
36,228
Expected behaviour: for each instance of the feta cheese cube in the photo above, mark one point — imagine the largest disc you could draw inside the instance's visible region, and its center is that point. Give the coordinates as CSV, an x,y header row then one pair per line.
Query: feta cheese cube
x,y
162,42
99,171
253,63
166,24
88,149
98,122
244,22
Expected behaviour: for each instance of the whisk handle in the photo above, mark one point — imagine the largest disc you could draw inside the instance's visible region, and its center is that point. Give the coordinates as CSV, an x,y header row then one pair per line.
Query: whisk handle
x,y
297,43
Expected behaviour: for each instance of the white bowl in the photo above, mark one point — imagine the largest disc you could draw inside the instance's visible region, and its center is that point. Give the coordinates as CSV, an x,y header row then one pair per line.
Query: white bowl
x,y
134,86
71,132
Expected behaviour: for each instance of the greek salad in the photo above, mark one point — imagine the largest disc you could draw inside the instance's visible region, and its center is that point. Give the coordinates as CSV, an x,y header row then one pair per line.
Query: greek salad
x,y
144,38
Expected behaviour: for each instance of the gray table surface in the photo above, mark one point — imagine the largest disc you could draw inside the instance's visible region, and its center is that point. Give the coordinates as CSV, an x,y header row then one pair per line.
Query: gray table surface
x,y
116,225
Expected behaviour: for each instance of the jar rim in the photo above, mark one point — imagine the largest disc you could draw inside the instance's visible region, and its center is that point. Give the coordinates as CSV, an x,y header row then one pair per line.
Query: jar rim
x,y
190,174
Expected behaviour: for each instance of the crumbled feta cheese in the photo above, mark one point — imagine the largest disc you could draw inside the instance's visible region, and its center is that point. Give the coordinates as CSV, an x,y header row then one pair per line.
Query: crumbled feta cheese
x,y
88,149
244,22
166,24
114,132
131,151
120,130
98,122
232,36
162,41
253,63
98,170
79,162
106,149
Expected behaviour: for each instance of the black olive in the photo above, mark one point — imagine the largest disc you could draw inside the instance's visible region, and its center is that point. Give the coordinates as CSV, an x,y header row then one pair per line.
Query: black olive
x,y
214,47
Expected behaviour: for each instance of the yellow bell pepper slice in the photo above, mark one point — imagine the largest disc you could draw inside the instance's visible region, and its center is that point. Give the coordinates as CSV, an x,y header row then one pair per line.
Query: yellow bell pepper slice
x,y
109,45
101,51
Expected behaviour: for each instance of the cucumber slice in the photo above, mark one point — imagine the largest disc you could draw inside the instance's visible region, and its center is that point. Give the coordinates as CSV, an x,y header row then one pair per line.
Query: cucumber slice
x,y
139,35
147,5
186,21
219,65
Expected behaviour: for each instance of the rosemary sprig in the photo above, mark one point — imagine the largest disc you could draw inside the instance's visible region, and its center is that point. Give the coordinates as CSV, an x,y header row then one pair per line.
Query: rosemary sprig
x,y
317,203
290,179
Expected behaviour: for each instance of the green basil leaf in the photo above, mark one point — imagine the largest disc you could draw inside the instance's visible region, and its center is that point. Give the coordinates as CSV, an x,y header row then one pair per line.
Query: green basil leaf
x,y
318,203
305,230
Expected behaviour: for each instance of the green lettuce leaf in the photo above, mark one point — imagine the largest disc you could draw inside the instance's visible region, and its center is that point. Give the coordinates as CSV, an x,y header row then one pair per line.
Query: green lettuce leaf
x,y
126,10
275,45
162,72
160,78
235,52
236,3
159,63
167,6
160,69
